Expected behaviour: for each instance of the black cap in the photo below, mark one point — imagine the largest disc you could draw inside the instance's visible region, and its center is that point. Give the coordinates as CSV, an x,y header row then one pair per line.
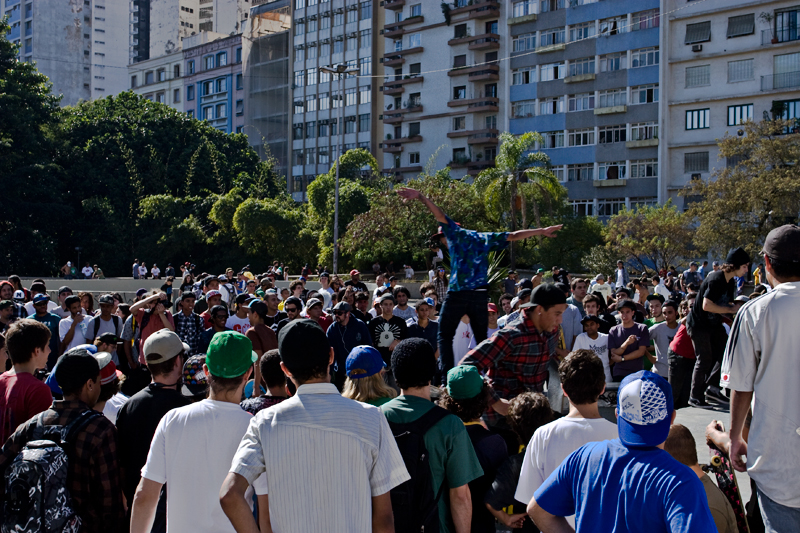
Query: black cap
x,y
546,295
242,298
525,283
294,300
655,297
783,244
342,306
737,257
75,368
258,307
629,304
108,338
623,289
590,318
302,344
62,290
413,361
524,293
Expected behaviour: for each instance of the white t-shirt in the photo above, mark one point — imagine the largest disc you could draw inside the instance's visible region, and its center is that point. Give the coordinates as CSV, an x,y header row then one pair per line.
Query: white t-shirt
x,y
155,271
600,348
142,271
604,289
552,443
87,271
661,336
191,452
51,305
462,341
79,336
105,327
240,325
113,405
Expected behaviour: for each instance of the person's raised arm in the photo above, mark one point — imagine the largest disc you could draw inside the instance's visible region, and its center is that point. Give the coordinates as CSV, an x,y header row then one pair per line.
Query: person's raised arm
x,y
234,504
382,517
413,194
142,304
527,233
461,508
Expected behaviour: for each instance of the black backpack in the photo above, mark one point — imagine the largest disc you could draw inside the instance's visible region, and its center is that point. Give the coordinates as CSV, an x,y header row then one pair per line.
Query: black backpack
x,y
114,319
415,503
37,498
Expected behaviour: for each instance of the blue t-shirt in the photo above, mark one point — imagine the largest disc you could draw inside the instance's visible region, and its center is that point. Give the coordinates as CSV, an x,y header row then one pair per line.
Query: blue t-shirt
x,y
612,488
469,262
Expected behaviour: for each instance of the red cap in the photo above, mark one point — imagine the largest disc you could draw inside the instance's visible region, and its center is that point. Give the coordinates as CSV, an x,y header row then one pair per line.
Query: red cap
x,y
491,307
354,272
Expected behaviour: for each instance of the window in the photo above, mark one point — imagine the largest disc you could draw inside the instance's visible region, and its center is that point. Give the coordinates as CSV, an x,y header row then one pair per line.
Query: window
x,y
698,76
580,172
323,158
583,208
365,10
208,62
338,46
741,25
581,102
610,207
365,38
786,25
644,57
413,129
363,122
324,77
551,5
352,41
325,21
336,100
644,20
698,33
190,67
239,83
208,113
646,168
695,162
351,96
552,139
741,70
299,54
611,171
578,67
791,109
414,40
460,156
222,59
311,103
176,96
522,76
612,62
416,10
160,98
644,94
525,108
338,19
459,123
413,158
297,131
365,94
612,134
149,77
324,101
297,157
222,111
521,9
697,119
311,76
490,90
414,69
311,159
208,88
190,92
552,71
552,37
739,114
300,78
582,31
614,25
490,122
221,85
322,129
190,113
582,137
240,107
352,14
311,129
611,98
785,68
460,61
133,82
526,41
551,106
644,131
460,92
414,100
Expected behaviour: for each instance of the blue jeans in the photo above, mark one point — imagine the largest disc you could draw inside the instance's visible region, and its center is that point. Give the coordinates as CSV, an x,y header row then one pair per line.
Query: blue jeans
x,y
778,518
456,305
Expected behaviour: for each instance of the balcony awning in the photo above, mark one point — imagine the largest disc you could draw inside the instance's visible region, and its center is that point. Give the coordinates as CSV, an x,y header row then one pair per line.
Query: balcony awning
x,y
742,25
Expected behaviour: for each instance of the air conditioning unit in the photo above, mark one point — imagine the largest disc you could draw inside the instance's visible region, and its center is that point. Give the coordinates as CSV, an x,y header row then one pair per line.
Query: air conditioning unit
x,y
697,48
695,177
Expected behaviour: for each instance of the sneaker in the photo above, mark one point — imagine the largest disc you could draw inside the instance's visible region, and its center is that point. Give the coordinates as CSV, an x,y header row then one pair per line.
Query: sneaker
x,y
717,395
700,404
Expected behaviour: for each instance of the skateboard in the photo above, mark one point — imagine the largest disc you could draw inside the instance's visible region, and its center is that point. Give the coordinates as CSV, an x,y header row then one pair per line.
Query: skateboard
x,y
722,468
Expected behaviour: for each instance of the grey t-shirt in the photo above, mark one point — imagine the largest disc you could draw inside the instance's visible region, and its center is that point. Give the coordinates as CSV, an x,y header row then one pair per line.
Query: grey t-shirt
x,y
662,335
409,312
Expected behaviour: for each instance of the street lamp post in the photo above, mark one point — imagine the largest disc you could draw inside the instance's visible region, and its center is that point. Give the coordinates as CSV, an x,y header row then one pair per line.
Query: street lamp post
x,y
340,70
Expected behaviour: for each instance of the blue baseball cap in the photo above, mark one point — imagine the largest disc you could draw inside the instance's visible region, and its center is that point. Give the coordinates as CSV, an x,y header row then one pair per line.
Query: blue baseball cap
x,y
363,362
644,409
39,298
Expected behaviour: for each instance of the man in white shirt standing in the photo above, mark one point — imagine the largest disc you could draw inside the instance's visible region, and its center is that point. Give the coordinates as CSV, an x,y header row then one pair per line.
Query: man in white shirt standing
x,y
583,381
602,287
660,288
72,329
662,334
193,447
105,322
294,441
759,362
591,339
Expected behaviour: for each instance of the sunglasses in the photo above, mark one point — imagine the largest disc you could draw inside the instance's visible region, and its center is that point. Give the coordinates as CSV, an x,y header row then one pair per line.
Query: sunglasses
x,y
339,313
290,309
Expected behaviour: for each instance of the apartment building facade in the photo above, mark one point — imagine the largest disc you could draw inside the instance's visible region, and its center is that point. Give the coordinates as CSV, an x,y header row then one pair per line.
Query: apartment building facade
x,y
75,44
726,63
585,74
442,85
325,33
160,79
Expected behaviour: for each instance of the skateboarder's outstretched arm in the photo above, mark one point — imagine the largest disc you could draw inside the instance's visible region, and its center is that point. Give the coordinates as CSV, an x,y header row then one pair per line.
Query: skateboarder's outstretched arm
x,y
413,194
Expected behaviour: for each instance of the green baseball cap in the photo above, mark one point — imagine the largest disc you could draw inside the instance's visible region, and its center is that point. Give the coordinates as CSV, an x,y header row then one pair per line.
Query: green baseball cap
x,y
464,382
229,355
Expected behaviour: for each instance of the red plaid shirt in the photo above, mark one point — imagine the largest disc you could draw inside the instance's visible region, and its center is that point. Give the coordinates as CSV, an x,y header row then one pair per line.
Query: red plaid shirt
x,y
514,359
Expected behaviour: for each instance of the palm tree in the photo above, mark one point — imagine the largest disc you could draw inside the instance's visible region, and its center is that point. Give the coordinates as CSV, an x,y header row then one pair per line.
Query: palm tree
x,y
520,172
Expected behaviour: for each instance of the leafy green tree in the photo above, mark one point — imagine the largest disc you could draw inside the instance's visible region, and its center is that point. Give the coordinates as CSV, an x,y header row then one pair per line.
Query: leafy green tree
x,y
743,202
32,197
568,248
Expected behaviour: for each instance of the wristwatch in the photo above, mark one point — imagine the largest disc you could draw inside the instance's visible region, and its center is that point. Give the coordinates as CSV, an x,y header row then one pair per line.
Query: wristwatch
x,y
623,358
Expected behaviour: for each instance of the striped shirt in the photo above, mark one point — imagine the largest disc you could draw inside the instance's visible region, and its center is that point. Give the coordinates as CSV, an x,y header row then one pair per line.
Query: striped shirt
x,y
325,457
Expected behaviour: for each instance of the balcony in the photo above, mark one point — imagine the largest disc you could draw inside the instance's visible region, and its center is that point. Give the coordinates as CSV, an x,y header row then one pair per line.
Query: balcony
x,y
474,168
781,35
394,5
611,110
580,77
479,9
785,80
477,73
389,59
522,19
487,41
396,87
479,103
396,29
396,116
401,170
547,48
394,146
643,143
482,136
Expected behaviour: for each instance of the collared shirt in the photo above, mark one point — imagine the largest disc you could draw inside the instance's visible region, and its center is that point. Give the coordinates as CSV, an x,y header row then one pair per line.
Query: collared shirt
x,y
189,328
338,452
94,474
514,359
469,262
19,311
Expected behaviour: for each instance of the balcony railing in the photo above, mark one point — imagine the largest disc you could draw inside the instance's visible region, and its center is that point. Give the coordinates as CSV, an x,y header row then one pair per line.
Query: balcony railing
x,y
780,35
785,80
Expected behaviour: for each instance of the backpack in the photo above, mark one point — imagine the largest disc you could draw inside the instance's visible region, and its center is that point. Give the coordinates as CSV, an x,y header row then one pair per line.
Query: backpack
x,y
114,318
415,503
37,498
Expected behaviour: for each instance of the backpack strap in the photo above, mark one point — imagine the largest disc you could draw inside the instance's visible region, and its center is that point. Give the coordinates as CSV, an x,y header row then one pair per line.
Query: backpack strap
x,y
422,424
69,431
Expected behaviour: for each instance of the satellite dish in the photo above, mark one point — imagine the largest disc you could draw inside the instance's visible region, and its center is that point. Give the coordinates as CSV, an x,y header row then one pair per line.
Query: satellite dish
x,y
170,47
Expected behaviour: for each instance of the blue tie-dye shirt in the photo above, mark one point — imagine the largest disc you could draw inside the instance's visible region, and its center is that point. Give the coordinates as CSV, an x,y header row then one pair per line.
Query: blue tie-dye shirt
x,y
469,261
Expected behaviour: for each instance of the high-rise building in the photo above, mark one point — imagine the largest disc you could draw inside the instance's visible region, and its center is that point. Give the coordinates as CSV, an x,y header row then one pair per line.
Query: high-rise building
x,y
726,64
443,85
76,44
266,56
585,74
325,33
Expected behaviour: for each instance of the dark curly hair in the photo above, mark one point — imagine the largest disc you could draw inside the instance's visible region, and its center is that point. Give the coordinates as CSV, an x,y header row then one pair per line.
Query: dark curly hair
x,y
527,413
582,376
468,409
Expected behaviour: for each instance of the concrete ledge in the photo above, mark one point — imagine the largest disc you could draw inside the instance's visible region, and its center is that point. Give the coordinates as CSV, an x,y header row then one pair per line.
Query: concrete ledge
x,y
609,183
611,110
525,18
551,48
641,144
579,78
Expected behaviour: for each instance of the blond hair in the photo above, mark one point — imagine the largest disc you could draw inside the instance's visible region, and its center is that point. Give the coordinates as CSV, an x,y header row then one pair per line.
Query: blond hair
x,y
366,389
